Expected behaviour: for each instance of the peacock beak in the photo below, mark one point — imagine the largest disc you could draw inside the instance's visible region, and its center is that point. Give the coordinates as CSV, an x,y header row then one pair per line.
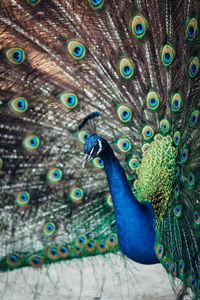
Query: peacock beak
x,y
87,158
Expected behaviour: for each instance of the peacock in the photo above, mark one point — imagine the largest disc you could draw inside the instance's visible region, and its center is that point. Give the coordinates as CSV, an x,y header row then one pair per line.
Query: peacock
x,y
99,133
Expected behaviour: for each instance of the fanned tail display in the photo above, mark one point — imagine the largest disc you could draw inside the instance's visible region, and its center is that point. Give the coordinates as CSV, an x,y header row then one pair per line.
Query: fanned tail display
x,y
121,80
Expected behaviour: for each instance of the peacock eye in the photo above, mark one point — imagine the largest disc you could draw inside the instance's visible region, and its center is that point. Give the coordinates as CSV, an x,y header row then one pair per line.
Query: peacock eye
x,y
191,179
138,26
98,162
76,49
176,102
63,250
52,253
194,67
13,259
176,138
33,2
124,113
49,229
184,155
31,142
76,194
194,117
15,56
152,100
164,125
133,164
68,100
191,29
54,175
124,145
22,198
126,68
36,261
167,55
147,132
18,105
96,4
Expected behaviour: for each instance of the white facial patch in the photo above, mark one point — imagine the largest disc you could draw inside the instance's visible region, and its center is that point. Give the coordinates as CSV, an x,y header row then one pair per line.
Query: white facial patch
x,y
100,147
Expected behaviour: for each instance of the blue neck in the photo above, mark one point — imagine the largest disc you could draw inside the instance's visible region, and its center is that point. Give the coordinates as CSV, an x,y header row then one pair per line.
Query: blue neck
x,y
135,221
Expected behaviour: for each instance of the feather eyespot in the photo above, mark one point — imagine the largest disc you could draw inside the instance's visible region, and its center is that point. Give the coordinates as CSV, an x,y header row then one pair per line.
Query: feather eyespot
x,y
90,246
124,145
194,67
164,125
184,155
194,118
191,281
98,162
178,211
18,105
181,267
147,132
77,250
31,142
49,229
68,100
33,2
36,261
177,171
124,113
133,164
168,55
191,179
54,175
76,194
139,26
52,253
83,136
109,201
176,102
191,29
196,218
173,269
13,259
15,56
76,49
81,240
126,68
96,4
152,100
63,250
145,147
177,191
23,199
176,138
159,250
167,265
102,246
112,240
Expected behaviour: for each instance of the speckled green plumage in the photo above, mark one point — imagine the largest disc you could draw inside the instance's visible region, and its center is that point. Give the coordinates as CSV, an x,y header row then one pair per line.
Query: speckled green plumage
x,y
156,175
136,62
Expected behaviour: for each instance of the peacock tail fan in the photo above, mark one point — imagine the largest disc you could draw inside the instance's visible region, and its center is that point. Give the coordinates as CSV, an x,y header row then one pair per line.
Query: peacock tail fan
x,y
137,64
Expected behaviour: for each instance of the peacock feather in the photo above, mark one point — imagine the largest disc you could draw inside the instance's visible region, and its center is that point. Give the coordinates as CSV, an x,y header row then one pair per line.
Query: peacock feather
x,y
121,80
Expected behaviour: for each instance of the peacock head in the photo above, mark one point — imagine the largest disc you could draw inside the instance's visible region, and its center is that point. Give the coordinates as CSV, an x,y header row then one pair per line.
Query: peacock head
x,y
94,146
